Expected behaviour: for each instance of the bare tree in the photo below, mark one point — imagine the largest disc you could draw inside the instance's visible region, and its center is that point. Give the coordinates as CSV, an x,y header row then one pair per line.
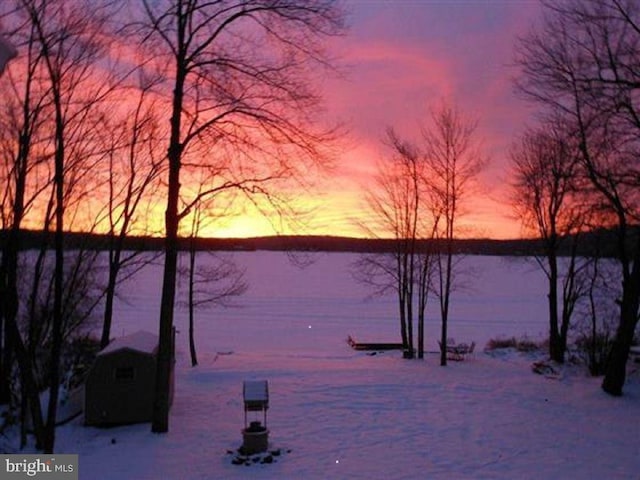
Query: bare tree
x,y
400,206
135,164
213,282
580,63
546,197
237,75
426,269
598,315
20,133
70,45
455,160
24,152
216,282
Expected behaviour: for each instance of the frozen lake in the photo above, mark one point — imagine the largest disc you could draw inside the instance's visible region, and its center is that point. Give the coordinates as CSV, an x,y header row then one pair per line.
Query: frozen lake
x,y
290,308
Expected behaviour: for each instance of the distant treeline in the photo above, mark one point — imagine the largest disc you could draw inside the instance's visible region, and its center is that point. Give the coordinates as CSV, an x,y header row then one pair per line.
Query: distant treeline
x,y
601,242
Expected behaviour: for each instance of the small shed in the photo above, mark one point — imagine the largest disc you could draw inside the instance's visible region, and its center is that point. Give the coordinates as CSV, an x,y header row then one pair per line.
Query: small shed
x,y
120,385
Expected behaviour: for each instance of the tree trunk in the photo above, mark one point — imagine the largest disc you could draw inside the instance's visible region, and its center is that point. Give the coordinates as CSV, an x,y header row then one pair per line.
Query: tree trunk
x,y
443,343
28,384
35,326
163,370
56,339
409,308
192,267
114,267
160,421
423,292
6,359
9,302
401,303
617,362
555,351
564,332
570,295
9,269
403,325
421,335
443,329
444,302
30,397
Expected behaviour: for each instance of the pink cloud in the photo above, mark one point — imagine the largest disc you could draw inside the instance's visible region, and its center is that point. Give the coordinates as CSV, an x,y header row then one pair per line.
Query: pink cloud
x,y
403,57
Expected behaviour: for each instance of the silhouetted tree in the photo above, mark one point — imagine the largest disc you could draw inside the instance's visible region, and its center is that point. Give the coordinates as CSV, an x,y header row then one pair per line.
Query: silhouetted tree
x,y
401,204
70,46
580,64
131,151
455,160
546,197
237,75
21,131
600,312
212,283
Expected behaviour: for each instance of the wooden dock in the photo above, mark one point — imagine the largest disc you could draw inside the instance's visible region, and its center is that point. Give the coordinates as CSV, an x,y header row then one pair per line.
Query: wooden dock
x,y
373,346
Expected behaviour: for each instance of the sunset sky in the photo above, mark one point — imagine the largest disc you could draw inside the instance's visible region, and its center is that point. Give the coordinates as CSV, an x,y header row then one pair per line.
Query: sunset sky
x,y
399,58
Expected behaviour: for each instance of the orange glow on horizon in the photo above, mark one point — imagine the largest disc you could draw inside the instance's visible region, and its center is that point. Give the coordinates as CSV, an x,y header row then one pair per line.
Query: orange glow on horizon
x,y
341,213
335,207
338,214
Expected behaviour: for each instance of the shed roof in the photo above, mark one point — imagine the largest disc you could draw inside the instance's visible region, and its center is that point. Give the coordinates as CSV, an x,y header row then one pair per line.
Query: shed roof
x,y
140,341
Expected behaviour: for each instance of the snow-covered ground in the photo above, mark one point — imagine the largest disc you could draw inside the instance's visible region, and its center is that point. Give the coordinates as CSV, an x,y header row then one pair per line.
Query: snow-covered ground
x,y
340,414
